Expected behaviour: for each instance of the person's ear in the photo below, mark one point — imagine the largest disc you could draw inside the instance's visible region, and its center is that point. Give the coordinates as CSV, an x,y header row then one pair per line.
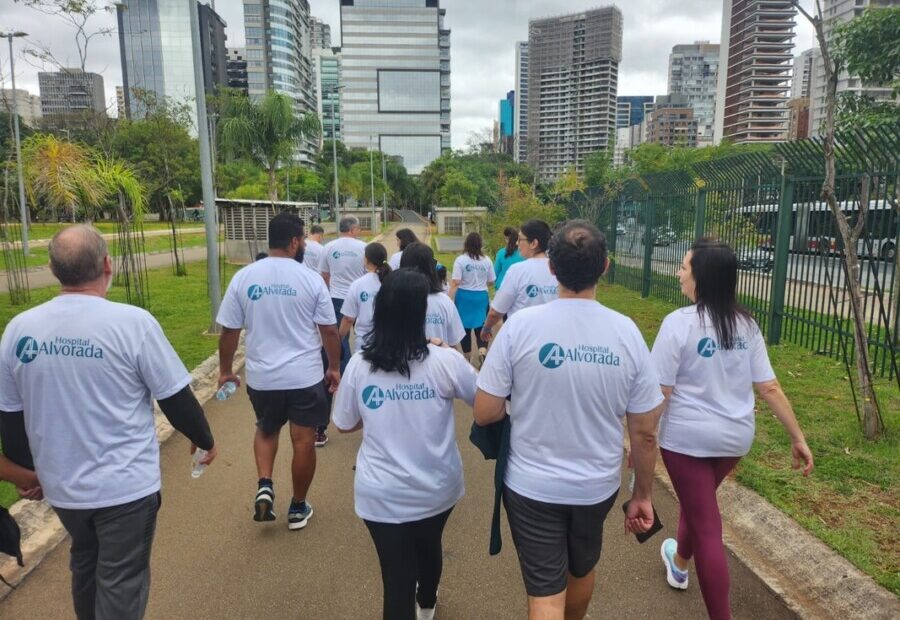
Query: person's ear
x,y
605,267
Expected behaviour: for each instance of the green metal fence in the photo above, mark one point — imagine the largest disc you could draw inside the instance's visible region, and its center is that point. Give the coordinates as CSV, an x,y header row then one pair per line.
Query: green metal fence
x,y
767,206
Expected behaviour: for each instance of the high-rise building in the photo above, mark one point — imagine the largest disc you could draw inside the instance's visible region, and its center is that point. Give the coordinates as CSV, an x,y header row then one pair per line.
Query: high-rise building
x,y
327,62
632,109
121,109
572,85
27,105
693,72
320,33
672,122
799,127
804,65
395,69
278,39
69,92
755,65
507,128
157,52
838,12
623,144
520,113
237,69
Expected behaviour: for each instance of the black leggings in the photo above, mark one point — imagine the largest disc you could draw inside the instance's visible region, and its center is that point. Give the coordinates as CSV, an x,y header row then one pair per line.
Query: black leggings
x,y
409,553
467,340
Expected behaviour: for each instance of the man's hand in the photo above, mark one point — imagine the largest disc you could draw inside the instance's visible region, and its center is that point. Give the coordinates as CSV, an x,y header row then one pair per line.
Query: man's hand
x,y
211,454
34,493
639,516
802,457
487,333
332,379
226,377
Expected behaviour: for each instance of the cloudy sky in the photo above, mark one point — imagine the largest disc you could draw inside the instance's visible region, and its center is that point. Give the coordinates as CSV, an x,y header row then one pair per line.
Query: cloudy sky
x,y
484,33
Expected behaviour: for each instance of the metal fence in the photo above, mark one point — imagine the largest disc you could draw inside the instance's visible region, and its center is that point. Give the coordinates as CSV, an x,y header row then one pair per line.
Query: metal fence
x,y
767,206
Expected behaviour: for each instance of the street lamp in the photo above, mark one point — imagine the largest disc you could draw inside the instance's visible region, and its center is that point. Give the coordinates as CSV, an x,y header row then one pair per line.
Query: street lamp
x,y
23,209
337,199
372,181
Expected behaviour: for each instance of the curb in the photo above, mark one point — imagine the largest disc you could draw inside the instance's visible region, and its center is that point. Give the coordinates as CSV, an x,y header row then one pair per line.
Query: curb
x,y
42,530
810,577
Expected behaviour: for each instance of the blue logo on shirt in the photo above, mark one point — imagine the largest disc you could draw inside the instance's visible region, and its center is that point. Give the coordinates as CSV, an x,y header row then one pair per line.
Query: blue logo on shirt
x,y
364,297
27,349
475,267
707,347
257,292
434,319
552,355
533,290
337,254
373,397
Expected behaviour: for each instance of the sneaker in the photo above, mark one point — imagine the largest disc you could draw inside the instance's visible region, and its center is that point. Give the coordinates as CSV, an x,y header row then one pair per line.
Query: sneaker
x,y
321,439
676,577
299,514
424,614
265,501
482,353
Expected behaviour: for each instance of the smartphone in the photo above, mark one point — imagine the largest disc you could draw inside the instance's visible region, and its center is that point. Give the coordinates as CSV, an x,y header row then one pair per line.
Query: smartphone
x,y
657,525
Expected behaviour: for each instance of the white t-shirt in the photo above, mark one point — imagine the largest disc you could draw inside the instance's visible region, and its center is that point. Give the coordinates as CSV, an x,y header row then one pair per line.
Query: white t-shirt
x,y
408,466
442,320
360,305
526,284
473,275
84,370
312,255
573,368
344,259
394,261
280,303
711,410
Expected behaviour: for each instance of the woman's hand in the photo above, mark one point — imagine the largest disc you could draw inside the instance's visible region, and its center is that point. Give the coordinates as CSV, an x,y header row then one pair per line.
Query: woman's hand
x,y
802,457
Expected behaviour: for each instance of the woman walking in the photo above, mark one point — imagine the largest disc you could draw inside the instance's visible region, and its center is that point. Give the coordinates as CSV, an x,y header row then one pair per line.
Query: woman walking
x,y
472,273
442,319
400,392
405,236
360,301
710,356
507,256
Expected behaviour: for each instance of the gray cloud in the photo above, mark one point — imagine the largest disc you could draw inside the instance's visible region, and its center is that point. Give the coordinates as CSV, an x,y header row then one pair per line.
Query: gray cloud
x,y
484,33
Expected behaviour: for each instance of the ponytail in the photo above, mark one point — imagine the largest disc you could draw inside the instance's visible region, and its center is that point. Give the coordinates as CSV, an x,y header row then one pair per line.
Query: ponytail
x,y
376,254
382,270
512,240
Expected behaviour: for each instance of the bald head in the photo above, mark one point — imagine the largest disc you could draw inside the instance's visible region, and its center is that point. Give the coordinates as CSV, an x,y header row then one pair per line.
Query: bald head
x,y
76,255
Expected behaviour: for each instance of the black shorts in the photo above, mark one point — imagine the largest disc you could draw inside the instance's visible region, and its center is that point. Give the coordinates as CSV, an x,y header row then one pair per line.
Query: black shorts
x,y
303,407
553,540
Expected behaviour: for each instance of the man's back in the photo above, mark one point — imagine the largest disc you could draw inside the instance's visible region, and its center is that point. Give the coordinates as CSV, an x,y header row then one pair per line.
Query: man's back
x,y
343,259
312,255
84,369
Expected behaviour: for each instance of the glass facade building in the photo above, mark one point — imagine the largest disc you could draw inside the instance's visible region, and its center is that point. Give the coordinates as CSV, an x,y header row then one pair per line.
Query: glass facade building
x,y
395,69
632,110
694,73
328,78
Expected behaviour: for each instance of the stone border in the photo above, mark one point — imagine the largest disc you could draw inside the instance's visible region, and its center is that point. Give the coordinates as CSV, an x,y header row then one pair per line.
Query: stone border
x,y
42,530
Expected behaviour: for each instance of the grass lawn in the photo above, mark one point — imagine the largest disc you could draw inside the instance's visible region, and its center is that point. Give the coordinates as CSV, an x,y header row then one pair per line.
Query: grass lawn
x,y
39,230
179,304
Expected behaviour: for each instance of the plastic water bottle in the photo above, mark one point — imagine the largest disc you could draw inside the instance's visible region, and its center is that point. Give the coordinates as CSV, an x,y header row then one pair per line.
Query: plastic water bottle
x,y
228,388
197,468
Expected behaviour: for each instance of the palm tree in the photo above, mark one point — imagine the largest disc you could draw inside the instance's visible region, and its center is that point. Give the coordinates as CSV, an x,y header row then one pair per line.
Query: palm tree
x,y
267,131
60,173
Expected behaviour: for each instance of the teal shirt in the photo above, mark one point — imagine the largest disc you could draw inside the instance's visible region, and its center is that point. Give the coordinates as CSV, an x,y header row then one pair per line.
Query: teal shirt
x,y
502,263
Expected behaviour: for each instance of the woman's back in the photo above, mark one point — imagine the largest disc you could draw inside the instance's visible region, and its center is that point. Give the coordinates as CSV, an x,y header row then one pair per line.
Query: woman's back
x,y
502,263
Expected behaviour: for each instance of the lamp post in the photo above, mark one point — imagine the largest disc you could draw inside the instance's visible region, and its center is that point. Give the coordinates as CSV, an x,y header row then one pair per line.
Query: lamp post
x,y
23,208
384,208
337,199
372,180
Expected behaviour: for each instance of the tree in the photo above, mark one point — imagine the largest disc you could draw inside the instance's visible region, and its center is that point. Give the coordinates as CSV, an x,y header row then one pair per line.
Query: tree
x,y
458,191
60,173
266,132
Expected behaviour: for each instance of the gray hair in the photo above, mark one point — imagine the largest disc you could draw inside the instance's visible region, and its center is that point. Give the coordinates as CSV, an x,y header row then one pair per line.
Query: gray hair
x,y
348,223
76,255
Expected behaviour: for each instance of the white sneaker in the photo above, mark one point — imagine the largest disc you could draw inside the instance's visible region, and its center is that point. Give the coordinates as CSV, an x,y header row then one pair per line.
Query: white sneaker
x,y
424,614
675,577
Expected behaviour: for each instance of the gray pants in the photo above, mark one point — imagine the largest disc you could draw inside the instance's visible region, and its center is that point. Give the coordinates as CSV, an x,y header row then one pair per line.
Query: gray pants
x,y
110,558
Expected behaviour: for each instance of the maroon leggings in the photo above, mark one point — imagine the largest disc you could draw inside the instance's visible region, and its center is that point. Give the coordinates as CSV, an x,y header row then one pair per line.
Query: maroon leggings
x,y
700,525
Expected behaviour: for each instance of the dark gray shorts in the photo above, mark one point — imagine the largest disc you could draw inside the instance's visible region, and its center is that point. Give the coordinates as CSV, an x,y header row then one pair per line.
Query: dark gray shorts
x,y
303,407
554,540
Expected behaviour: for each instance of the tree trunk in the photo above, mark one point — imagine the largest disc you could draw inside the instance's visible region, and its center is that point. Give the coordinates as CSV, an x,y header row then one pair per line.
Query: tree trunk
x,y
273,184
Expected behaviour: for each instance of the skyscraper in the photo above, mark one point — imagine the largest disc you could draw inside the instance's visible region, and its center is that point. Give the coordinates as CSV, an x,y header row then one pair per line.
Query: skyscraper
x,y
672,122
632,109
70,92
237,69
395,64
520,114
212,48
572,85
320,33
327,62
693,72
28,105
803,71
121,110
755,65
507,128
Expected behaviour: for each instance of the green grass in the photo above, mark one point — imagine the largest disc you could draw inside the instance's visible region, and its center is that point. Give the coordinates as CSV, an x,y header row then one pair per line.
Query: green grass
x,y
45,230
38,256
852,499
179,304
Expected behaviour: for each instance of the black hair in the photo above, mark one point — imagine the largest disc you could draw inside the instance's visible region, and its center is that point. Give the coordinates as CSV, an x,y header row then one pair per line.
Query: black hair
x,y
377,255
282,229
714,269
537,230
472,245
577,255
398,324
421,257
405,236
512,240
261,256
315,229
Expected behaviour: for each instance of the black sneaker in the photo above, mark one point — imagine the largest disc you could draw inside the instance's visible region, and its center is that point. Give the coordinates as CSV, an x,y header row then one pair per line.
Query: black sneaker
x,y
299,514
321,439
265,501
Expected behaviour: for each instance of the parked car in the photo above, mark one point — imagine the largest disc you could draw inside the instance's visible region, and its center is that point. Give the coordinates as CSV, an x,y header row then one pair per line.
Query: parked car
x,y
755,259
662,235
620,229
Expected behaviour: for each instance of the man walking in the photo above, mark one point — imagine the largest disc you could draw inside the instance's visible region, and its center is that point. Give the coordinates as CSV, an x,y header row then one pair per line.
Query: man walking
x,y
313,251
574,369
77,375
285,309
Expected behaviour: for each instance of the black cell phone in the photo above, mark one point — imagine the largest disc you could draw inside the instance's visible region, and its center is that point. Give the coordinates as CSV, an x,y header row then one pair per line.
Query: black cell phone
x,y
657,525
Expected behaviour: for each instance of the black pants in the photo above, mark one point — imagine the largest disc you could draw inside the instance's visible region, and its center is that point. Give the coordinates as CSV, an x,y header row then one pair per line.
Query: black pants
x,y
466,342
409,553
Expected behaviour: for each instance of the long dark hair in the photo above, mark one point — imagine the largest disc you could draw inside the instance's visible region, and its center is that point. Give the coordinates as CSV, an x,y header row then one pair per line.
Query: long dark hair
x,y
421,257
537,230
472,246
512,240
398,325
714,269
405,236
377,255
